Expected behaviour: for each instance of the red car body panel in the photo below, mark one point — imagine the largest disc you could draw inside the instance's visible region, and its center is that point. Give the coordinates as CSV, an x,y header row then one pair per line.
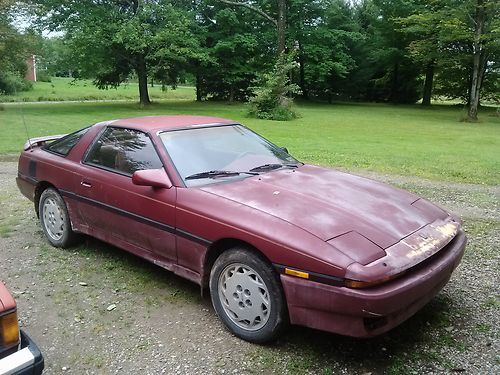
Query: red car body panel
x,y
330,224
7,302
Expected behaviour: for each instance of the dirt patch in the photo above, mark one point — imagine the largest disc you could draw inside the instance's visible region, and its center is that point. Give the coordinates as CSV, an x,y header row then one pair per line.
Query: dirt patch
x,y
95,309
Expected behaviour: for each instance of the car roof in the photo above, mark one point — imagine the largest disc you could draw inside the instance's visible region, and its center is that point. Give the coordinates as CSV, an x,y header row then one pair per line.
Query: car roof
x,y
156,123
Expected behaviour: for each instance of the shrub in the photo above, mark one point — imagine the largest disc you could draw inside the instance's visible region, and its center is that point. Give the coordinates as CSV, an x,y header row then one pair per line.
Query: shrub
x,y
11,83
272,100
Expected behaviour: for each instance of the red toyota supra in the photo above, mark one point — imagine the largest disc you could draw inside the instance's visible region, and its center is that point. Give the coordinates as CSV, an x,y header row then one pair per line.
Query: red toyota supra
x,y
274,240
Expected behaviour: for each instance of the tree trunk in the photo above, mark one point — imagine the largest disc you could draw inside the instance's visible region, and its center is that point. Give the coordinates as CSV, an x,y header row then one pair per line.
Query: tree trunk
x,y
395,83
479,58
281,26
142,75
198,87
429,77
469,84
302,72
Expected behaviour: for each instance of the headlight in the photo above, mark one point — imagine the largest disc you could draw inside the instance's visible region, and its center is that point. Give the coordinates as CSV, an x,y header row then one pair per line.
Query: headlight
x,y
9,330
356,284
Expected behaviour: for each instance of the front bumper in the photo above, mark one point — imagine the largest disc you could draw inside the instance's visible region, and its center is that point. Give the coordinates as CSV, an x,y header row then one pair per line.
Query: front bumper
x,y
28,360
371,311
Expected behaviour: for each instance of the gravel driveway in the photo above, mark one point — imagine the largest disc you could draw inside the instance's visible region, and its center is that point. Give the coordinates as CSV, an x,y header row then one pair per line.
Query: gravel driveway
x,y
94,309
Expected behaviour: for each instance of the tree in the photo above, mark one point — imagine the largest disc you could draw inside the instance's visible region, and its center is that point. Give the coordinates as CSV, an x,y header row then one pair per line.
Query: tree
x,y
279,20
15,47
324,33
237,46
424,28
397,78
113,39
56,58
460,38
484,39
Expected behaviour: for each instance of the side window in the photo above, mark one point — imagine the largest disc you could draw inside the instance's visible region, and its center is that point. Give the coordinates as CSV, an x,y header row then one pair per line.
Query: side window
x,y
123,150
64,145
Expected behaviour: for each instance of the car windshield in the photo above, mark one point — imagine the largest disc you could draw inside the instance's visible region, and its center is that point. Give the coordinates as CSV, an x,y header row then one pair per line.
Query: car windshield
x,y
210,154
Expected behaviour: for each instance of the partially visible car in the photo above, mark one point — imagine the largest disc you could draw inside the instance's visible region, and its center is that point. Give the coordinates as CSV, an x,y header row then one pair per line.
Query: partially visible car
x,y
19,355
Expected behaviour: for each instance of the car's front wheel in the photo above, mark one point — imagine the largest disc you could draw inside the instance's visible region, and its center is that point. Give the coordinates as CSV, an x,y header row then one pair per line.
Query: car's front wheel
x,y
55,220
247,295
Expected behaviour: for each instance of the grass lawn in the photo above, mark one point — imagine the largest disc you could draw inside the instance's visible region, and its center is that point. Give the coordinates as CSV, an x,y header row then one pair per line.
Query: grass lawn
x,y
405,140
62,89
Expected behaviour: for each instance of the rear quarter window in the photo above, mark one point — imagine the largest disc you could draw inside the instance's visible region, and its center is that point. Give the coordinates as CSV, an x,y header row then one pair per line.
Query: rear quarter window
x,y
64,145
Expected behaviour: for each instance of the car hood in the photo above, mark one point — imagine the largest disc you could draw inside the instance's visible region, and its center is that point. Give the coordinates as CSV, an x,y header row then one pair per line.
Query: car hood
x,y
329,203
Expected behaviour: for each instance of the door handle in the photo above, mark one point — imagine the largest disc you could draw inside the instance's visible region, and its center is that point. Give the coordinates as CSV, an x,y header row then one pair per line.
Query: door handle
x,y
86,184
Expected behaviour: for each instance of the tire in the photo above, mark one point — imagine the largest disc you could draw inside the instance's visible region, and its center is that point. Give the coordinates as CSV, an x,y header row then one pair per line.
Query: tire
x,y
54,219
247,296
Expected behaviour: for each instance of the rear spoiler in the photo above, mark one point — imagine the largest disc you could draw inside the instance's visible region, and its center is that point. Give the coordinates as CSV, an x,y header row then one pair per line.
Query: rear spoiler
x,y
40,141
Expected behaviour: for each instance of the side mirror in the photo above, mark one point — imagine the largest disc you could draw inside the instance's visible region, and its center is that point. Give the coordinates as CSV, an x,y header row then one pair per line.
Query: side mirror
x,y
284,149
156,178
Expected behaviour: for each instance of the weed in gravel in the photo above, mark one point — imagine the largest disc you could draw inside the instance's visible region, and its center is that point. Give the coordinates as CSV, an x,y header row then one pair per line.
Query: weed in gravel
x,y
6,227
9,219
493,301
483,328
93,361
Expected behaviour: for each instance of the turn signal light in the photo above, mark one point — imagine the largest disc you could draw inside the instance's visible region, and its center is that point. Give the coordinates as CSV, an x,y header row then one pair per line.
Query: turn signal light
x,y
301,274
9,330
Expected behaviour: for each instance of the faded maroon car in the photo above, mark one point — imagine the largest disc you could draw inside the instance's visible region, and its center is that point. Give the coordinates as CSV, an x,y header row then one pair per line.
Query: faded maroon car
x,y
273,239
18,353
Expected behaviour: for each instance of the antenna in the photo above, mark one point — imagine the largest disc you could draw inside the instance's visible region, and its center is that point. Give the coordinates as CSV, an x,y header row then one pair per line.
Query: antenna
x,y
25,126
24,121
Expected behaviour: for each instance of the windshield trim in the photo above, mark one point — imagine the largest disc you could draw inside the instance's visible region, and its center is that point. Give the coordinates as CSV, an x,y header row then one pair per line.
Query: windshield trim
x,y
195,127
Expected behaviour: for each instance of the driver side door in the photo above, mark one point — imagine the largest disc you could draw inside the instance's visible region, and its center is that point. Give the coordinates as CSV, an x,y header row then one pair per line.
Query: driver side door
x,y
114,209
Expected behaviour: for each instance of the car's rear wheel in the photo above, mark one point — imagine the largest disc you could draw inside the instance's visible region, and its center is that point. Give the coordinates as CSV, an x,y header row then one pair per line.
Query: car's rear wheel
x,y
54,219
247,295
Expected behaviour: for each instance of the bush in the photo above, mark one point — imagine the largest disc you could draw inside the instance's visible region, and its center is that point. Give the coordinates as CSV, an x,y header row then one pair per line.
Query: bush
x,y
272,100
11,83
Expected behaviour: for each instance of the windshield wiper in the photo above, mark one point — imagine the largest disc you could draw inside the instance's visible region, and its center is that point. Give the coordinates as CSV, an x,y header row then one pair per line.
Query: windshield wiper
x,y
215,174
270,167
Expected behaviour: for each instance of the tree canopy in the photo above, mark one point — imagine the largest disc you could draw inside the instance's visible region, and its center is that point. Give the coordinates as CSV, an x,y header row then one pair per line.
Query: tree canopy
x,y
15,47
397,51
110,40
